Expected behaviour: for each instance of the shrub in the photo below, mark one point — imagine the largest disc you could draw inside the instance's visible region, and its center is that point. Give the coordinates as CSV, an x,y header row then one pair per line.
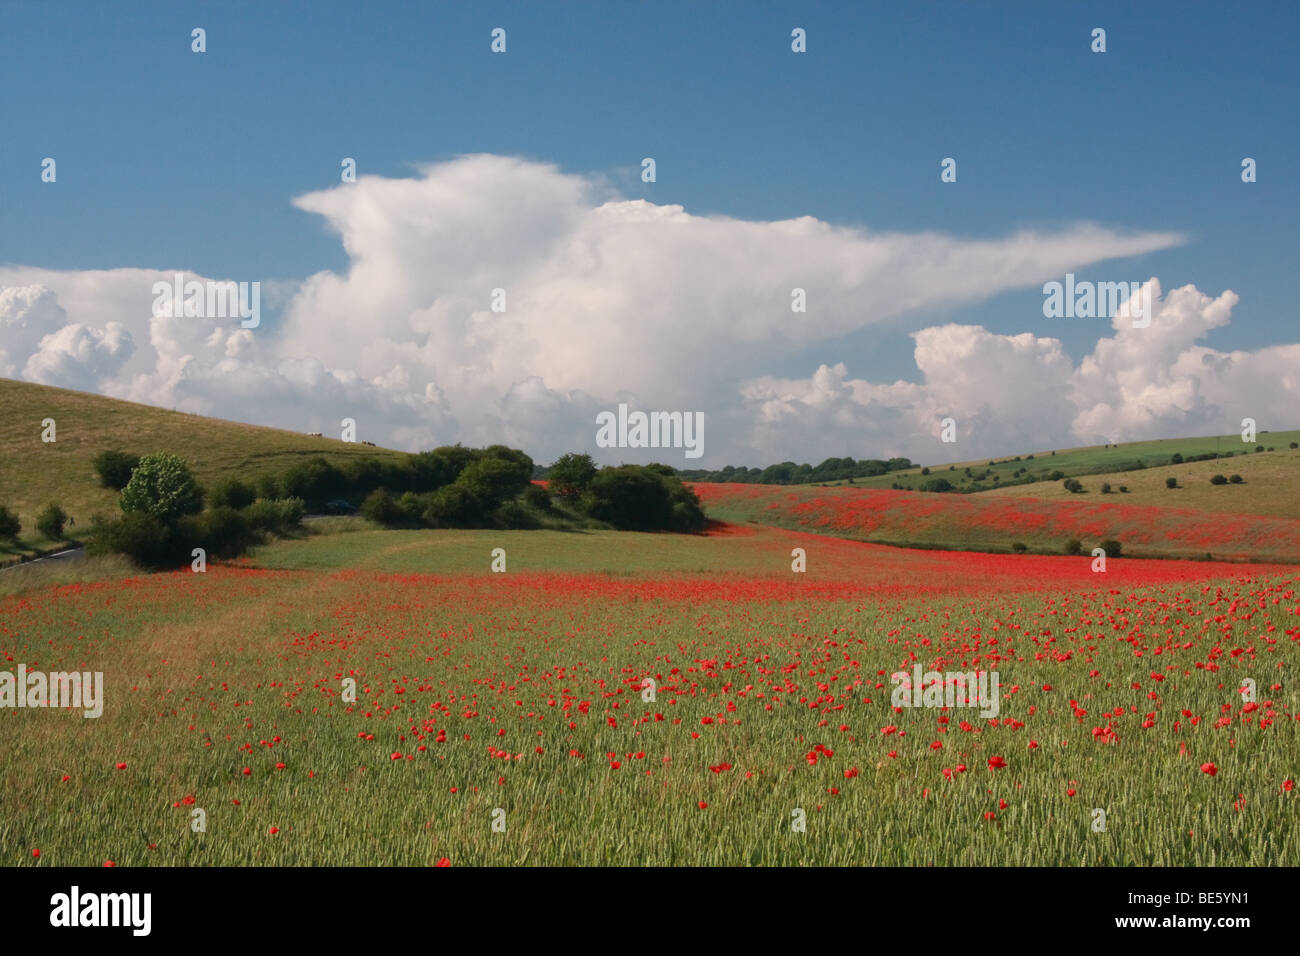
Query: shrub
x,y
1234,479
535,496
50,522
10,526
114,468
268,487
1073,486
571,475
232,493
381,508
1177,459
936,485
222,532
162,486
1056,475
1123,489
1259,448
1112,548
925,471
1171,482
1019,547
1105,487
276,516
1218,480
142,537
1293,445
1074,546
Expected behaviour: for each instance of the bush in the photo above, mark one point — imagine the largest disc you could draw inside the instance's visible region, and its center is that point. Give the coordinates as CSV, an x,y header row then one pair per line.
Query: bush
x,y
535,496
141,537
1218,480
1105,487
1234,479
10,526
1019,547
268,487
635,498
1112,548
1259,448
1074,546
50,522
1171,482
381,508
222,532
162,486
1056,475
1293,445
1073,486
571,475
114,468
232,493
1123,489
277,517
1177,459
937,485
925,471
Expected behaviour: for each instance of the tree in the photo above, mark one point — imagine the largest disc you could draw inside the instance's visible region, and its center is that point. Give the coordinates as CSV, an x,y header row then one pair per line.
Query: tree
x,y
1218,480
1235,479
50,522
10,526
571,475
114,468
1171,482
232,493
1074,546
162,486
1111,547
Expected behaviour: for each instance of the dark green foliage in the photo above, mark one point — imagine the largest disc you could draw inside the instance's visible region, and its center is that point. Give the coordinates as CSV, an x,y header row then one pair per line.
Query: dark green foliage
x,y
1171,482
1073,546
114,468
1112,548
1218,480
937,485
232,493
50,522
10,526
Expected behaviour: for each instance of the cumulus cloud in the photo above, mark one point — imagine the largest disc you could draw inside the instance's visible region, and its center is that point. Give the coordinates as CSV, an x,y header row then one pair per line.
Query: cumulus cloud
x,y
611,300
1022,392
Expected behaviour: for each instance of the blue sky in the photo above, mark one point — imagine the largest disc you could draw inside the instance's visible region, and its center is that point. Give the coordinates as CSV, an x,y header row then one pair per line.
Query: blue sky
x,y
173,160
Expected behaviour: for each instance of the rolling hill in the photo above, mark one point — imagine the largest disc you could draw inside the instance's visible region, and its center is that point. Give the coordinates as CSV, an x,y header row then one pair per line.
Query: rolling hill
x,y
34,473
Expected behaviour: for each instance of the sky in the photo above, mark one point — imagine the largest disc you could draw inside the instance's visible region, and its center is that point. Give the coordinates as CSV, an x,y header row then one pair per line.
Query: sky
x,y
774,170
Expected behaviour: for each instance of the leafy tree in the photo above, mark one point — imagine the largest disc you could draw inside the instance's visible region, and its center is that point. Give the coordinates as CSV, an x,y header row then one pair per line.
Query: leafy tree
x,y
1218,480
1171,482
162,486
232,493
10,526
1112,548
1234,479
1074,546
114,468
50,522
571,475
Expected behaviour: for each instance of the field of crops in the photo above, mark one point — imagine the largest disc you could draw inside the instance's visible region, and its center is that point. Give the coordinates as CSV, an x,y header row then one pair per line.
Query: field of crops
x,y
501,718
987,522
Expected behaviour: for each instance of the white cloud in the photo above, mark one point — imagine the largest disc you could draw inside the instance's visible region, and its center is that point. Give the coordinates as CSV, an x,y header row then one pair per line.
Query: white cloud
x,y
612,300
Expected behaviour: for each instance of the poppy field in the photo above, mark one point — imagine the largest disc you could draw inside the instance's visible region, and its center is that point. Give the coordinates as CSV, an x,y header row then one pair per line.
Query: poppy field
x,y
1147,715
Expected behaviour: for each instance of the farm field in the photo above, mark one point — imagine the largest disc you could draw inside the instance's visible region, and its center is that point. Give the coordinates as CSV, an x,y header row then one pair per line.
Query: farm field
x,y
1079,462
1268,487
516,697
35,472
987,522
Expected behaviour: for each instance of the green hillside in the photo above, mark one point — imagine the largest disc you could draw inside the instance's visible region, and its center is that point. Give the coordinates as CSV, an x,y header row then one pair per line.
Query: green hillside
x,y
34,473
1026,469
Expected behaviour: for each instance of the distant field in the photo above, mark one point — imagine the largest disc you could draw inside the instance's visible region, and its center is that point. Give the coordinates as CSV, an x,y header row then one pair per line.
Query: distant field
x,y
518,697
997,523
1270,486
1075,462
34,473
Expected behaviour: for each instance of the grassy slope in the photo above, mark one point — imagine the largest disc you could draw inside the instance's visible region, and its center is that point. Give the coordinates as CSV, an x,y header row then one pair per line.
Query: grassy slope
x,y
34,473
989,523
1084,461
1271,486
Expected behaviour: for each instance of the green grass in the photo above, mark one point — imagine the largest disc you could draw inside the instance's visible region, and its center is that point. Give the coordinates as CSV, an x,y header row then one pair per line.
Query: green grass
x,y
34,472
1270,486
240,667
1076,462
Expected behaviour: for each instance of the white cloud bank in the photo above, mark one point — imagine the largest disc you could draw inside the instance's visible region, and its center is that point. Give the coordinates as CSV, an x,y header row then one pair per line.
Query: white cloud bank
x,y
610,300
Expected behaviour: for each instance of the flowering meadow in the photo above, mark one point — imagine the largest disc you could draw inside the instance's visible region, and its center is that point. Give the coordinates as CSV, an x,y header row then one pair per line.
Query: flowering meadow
x,y
988,522
504,718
